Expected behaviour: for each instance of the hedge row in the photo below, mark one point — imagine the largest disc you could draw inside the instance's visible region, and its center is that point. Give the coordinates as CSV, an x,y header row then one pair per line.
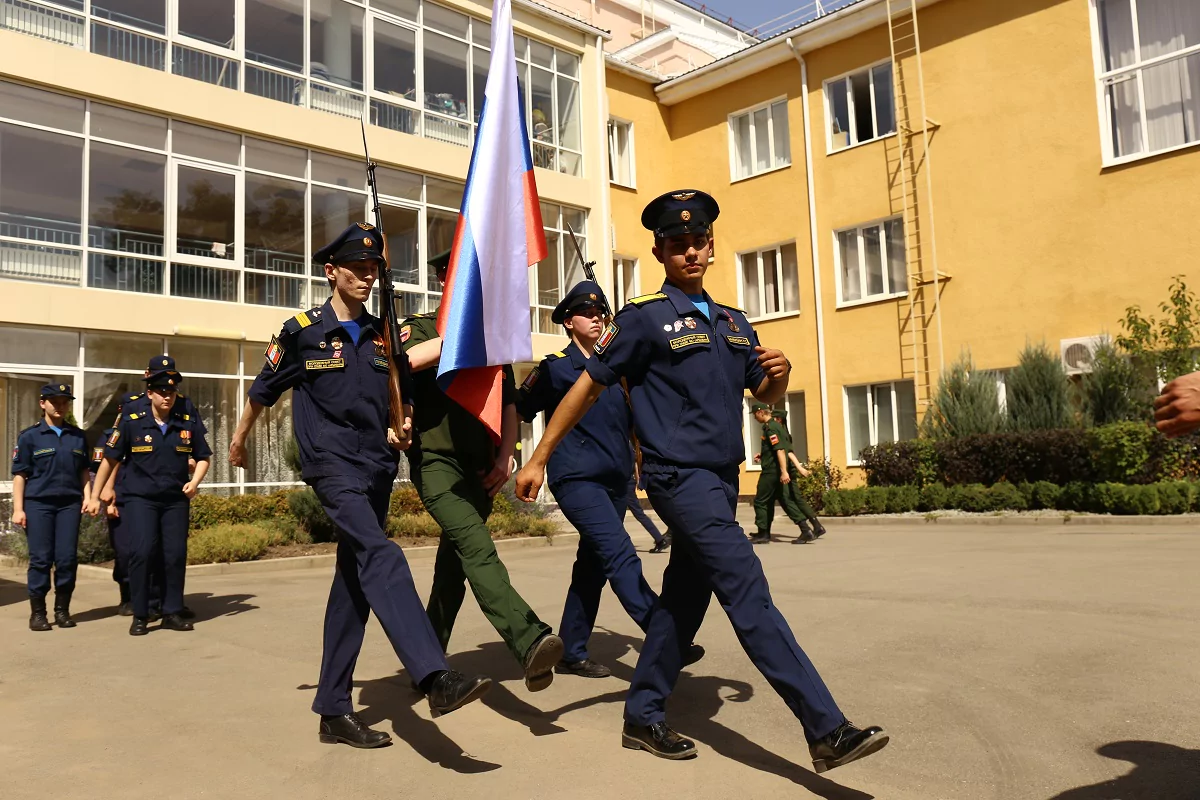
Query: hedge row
x,y
1124,452
1170,497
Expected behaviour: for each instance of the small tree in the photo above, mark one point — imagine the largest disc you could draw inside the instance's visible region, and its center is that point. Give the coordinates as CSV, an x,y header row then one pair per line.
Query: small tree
x,y
967,402
1168,345
1038,397
1115,390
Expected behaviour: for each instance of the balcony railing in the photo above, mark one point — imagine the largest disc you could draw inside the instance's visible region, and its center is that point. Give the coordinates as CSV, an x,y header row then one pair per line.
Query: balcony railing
x,y
39,263
128,46
201,66
37,20
274,85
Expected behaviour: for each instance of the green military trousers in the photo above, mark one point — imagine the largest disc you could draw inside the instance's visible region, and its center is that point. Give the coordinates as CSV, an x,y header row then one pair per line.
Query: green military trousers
x,y
771,491
467,554
792,493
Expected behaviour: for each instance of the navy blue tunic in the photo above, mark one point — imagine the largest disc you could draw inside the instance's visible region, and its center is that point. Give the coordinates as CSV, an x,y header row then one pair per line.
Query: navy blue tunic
x,y
51,463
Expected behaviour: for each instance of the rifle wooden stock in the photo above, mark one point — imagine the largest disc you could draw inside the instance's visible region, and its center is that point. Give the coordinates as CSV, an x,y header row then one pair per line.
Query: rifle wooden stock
x,y
392,345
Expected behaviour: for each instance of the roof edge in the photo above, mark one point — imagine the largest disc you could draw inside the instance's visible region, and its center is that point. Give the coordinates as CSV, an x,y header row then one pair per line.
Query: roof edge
x,y
632,70
562,18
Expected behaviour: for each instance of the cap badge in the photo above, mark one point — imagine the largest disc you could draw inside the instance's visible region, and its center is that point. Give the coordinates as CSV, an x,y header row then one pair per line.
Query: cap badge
x,y
365,226
62,388
590,297
685,215
367,242
165,362
170,381
683,197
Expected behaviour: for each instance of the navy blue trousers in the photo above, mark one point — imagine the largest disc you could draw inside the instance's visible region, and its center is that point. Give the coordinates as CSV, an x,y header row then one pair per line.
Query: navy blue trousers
x,y
635,507
605,555
118,538
711,555
156,526
371,575
52,530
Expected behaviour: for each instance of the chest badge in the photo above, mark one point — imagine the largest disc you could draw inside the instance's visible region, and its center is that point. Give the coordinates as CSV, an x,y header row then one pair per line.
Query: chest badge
x,y
321,345
337,343
689,323
667,327
185,435
733,326
148,438
380,350
678,326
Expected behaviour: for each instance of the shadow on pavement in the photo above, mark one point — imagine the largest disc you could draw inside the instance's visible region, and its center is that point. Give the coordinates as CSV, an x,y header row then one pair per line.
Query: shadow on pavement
x,y
1160,772
210,606
12,592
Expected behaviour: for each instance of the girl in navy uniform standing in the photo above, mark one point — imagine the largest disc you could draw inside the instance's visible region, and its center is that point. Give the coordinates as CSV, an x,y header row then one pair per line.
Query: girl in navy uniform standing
x,y
153,448
50,489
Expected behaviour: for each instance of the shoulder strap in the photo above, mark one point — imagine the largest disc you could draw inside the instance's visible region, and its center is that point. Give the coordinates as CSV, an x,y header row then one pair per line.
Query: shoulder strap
x,y
646,298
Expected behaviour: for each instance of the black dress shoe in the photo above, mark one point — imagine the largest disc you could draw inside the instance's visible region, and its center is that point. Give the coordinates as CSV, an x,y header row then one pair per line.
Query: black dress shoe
x,y
155,615
174,622
349,729
125,609
846,744
139,626
658,739
760,538
187,613
540,660
693,654
451,690
584,669
661,546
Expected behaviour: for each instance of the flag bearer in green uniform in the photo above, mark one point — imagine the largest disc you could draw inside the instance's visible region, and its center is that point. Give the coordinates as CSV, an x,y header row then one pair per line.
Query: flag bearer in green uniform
x,y
457,470
791,489
774,479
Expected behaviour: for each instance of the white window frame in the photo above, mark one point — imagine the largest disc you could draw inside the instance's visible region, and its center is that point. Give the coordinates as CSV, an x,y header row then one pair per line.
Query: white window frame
x,y
729,121
869,68
1104,78
614,156
618,295
862,263
852,459
759,251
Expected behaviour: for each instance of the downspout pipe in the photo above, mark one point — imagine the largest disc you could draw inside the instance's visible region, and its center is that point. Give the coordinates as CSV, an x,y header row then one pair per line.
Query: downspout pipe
x,y
816,258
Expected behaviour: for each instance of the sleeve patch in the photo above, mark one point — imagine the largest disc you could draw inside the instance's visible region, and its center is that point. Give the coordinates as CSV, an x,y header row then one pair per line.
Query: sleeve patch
x,y
97,454
16,449
609,334
114,438
405,332
531,379
274,353
774,439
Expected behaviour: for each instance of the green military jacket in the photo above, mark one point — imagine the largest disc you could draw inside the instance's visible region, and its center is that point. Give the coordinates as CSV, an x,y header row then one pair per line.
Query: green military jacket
x,y
442,425
774,438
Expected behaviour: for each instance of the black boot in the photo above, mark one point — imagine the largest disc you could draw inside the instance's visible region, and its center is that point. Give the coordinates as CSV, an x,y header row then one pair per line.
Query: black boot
x,y
139,627
806,535
761,537
37,619
451,690
818,528
846,744
62,610
349,729
540,660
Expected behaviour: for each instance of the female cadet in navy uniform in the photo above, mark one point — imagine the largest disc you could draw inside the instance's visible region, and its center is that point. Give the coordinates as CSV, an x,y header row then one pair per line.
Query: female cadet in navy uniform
x,y
589,474
153,448
50,489
687,361
334,359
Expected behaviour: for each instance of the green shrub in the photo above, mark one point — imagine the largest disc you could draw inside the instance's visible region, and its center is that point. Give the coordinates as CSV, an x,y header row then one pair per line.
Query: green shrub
x,y
933,497
208,510
1139,500
1043,494
405,500
94,547
311,516
1006,497
1074,497
284,530
1104,498
845,502
412,526
1175,497
14,544
822,476
1114,390
1121,451
521,525
972,497
902,499
228,543
966,403
876,499
1037,395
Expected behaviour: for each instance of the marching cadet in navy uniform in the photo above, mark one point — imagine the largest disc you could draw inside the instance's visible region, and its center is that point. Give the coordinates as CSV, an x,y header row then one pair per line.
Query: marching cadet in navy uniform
x,y
334,359
589,474
50,490
154,448
687,361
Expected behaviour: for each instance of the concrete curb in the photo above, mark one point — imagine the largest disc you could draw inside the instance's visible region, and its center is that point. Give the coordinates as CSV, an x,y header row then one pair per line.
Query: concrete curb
x,y
1171,521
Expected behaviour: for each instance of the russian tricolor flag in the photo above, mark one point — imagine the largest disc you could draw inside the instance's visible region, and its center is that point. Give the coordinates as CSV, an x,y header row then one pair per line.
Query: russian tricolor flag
x,y
484,314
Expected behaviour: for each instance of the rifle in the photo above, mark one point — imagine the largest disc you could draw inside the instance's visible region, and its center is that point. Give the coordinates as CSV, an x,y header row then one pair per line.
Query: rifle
x,y
387,299
588,270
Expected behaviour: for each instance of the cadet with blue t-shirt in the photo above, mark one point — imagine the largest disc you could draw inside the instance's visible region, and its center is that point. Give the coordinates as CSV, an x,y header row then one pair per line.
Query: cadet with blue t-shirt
x,y
50,489
335,361
687,361
589,473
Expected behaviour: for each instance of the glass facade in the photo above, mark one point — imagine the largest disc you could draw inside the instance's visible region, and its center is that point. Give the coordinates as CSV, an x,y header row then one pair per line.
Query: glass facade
x,y
417,67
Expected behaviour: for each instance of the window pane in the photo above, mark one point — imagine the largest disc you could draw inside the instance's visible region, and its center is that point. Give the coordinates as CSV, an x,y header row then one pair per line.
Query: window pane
x,y
779,123
126,199
751,288
790,287
542,97
897,269
398,183
200,355
205,214
103,393
762,141
568,113
567,64
860,95
338,171
395,60
550,215
629,284
219,403
120,351
275,225
573,267
443,193
1126,117
210,21
1116,32
38,346
839,112
41,108
204,283
874,260
208,143
1167,26
521,47
269,436
1172,92
125,273
332,212
541,54
857,415
402,226
885,109
885,430
274,157
798,425
40,195
848,261
481,33
401,8
741,146
150,15
479,72
275,33
906,410
577,219
770,289
547,274
443,19
123,125
445,75
335,43
440,227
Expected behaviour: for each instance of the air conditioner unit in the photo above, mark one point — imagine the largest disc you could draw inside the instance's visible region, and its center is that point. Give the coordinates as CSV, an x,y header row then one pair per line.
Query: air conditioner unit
x,y
1078,353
